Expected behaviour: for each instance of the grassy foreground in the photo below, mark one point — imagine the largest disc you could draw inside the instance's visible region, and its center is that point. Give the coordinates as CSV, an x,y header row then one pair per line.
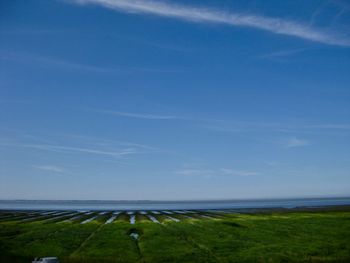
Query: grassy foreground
x,y
262,237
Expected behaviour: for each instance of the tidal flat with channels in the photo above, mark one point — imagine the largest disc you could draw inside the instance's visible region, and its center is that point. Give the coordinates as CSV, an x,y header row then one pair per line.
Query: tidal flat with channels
x,y
318,234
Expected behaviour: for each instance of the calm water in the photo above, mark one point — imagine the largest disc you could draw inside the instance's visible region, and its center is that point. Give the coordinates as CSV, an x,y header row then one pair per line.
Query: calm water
x,y
169,205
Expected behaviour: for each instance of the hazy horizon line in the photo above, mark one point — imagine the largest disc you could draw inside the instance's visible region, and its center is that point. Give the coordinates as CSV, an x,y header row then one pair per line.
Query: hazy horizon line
x,y
179,200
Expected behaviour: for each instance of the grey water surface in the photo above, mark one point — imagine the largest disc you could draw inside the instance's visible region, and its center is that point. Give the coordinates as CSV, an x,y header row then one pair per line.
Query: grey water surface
x,y
169,205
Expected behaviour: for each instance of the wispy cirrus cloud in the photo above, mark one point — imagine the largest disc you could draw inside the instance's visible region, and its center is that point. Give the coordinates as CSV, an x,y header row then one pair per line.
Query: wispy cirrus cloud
x,y
296,142
283,53
96,141
75,144
206,15
50,168
215,172
56,62
66,64
138,115
275,127
226,171
72,149
330,126
195,172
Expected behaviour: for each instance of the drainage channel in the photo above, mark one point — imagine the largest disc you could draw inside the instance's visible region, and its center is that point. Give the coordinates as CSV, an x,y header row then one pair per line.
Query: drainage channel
x,y
153,219
112,218
135,235
89,220
132,219
78,216
168,212
59,217
173,218
156,212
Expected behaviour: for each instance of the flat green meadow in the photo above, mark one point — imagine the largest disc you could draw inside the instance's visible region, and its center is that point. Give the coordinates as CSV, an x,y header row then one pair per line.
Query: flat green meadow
x,y
321,236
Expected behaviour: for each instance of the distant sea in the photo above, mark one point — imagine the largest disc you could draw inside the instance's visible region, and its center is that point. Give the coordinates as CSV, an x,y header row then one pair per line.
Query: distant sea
x,y
169,205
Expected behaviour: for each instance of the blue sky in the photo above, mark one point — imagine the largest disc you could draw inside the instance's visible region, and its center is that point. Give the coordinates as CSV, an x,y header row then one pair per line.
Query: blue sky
x,y
116,99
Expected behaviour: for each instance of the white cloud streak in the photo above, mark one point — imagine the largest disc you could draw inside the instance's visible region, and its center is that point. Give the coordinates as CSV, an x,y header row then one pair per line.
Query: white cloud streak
x,y
56,62
108,142
205,15
216,172
62,64
331,126
107,149
284,53
226,171
295,142
49,168
140,115
68,149
251,127
195,172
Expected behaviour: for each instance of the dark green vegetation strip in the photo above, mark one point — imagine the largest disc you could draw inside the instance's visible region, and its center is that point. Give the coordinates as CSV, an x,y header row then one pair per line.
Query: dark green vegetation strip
x,y
265,237
111,243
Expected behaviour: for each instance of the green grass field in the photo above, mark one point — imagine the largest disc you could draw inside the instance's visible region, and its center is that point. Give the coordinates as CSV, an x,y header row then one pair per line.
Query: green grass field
x,y
261,237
